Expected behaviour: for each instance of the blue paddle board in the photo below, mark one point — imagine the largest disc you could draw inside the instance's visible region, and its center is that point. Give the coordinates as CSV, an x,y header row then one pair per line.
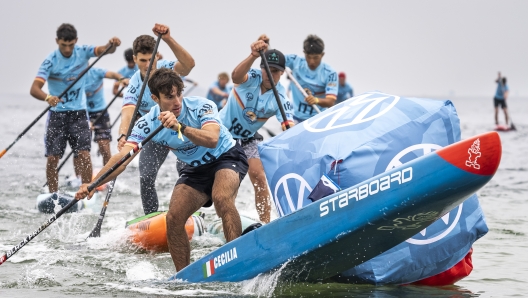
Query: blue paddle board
x,y
356,224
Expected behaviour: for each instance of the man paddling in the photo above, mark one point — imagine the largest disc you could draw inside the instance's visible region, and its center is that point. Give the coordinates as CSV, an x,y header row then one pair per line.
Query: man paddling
x,y
219,90
250,104
67,119
96,105
315,76
215,163
501,94
153,154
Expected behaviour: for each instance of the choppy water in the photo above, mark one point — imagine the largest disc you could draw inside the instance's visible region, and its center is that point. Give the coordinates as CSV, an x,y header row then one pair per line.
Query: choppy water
x,y
59,262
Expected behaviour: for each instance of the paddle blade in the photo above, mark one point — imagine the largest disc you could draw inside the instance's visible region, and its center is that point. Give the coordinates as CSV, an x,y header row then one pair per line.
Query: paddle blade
x,y
96,232
512,127
3,152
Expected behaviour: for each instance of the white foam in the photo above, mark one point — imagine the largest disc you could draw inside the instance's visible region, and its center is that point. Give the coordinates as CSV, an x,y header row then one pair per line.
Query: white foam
x,y
142,271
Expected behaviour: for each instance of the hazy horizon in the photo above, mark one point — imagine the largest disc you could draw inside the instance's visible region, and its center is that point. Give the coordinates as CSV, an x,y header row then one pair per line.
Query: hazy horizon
x,y
412,48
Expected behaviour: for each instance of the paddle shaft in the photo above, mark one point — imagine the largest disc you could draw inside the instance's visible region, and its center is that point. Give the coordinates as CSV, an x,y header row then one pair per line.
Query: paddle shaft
x,y
91,187
108,106
96,232
49,107
275,92
512,126
292,78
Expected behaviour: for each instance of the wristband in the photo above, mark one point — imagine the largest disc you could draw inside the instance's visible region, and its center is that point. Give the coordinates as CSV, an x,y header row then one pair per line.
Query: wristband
x,y
316,100
181,129
48,97
122,135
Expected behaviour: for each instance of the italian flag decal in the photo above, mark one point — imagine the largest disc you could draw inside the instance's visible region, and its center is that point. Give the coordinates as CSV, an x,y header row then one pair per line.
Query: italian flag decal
x,y
208,269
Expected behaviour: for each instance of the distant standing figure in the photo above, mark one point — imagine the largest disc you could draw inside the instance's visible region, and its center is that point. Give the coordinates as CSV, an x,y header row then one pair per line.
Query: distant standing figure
x,y
128,70
219,91
500,98
344,90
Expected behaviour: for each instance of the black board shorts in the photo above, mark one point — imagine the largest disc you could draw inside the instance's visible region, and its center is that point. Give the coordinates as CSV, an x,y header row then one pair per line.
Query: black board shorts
x,y
68,126
102,129
499,102
202,177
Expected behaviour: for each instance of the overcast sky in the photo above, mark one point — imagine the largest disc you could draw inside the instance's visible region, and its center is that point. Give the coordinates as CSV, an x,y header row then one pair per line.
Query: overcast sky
x,y
415,48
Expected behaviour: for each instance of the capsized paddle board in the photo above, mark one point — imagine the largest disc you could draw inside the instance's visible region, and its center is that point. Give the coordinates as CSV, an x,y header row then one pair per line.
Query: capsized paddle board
x,y
352,226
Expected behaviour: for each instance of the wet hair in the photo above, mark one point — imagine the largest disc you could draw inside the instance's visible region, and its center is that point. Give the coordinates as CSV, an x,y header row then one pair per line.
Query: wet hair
x,y
223,75
66,32
504,80
162,81
313,44
144,44
128,55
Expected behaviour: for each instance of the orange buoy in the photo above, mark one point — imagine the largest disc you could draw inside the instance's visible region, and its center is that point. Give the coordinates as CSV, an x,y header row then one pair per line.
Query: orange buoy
x,y
150,231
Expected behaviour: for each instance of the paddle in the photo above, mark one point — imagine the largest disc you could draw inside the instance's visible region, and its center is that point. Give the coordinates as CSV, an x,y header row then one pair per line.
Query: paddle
x,y
512,126
275,92
91,187
292,78
96,232
97,119
49,107
192,87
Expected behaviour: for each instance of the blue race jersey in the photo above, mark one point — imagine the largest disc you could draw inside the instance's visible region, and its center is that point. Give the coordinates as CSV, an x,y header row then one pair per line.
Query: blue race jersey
x,y
499,94
60,72
217,99
128,72
345,92
247,109
322,82
134,87
94,90
196,112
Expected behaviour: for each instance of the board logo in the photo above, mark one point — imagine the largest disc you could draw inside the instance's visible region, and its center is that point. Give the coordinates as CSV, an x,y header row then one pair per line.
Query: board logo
x,y
359,109
283,185
442,227
474,154
210,266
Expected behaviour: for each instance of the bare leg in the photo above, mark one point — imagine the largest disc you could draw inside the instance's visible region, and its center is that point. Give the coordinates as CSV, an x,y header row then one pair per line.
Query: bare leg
x,y
506,115
496,116
262,194
83,166
51,173
184,202
104,148
225,189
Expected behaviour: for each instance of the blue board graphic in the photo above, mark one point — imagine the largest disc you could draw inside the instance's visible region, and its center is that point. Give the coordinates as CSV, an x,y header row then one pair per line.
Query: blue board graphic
x,y
363,137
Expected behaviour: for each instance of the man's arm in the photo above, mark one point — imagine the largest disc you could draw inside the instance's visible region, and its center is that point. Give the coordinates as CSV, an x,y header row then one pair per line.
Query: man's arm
x,y
185,61
127,113
36,92
83,190
240,73
207,136
114,42
217,91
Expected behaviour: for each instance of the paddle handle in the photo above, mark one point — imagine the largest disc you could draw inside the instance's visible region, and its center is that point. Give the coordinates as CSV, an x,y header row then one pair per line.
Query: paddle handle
x,y
275,92
296,83
143,86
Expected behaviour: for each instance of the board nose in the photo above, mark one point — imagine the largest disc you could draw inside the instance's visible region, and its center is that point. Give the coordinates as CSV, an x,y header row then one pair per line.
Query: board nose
x,y
482,156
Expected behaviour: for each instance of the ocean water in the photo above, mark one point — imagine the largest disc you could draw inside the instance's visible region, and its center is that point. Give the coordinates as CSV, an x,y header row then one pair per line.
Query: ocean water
x,y
60,262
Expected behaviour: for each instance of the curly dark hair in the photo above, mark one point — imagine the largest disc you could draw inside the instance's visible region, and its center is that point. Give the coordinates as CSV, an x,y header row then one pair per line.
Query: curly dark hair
x,y
144,44
162,81
66,32
313,44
